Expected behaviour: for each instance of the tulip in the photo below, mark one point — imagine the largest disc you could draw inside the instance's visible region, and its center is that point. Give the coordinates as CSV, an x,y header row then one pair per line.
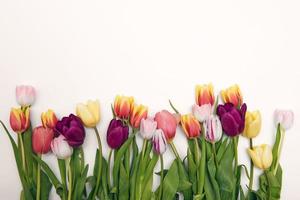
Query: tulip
x,y
232,118
205,94
123,106
72,129
190,126
159,142
61,148
212,129
285,118
232,95
252,124
261,156
25,95
167,122
117,133
41,139
148,127
89,113
202,112
138,113
19,119
49,119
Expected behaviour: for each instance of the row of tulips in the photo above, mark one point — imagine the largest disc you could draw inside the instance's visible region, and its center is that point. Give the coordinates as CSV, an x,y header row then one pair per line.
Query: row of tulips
x,y
210,170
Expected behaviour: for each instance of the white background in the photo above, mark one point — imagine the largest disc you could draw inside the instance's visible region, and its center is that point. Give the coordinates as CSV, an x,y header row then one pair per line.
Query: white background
x,y
155,50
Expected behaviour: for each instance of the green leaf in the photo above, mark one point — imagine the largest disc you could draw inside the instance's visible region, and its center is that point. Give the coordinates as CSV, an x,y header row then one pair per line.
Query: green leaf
x,y
123,184
276,147
80,184
150,168
46,186
171,182
192,170
211,187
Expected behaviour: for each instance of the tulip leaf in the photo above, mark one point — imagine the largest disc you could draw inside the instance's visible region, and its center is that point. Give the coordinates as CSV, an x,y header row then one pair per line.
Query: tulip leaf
x,y
46,186
147,191
276,148
171,182
104,184
123,184
133,177
150,168
27,138
80,184
192,170
211,187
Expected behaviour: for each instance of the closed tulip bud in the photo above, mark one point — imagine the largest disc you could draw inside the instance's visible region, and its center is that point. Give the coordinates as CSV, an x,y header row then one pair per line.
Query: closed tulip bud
x,y
123,106
212,129
159,142
252,124
285,118
19,119
147,128
232,95
138,113
202,112
61,148
25,95
89,113
167,123
205,94
190,125
49,119
41,139
117,134
261,156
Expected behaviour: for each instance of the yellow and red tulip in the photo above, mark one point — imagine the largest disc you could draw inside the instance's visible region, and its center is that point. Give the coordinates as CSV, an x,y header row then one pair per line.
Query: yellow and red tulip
x,y
19,119
232,95
138,113
123,106
190,125
205,94
49,119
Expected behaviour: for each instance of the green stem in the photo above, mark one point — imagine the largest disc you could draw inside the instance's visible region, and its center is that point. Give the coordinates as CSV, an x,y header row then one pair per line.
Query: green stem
x,y
108,168
202,166
197,158
141,171
22,151
279,151
100,162
161,176
174,150
215,155
235,144
173,107
70,181
38,180
251,166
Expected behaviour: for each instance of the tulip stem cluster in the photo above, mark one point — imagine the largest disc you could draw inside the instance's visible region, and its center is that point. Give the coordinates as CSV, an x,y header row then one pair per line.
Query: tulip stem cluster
x,y
38,180
100,162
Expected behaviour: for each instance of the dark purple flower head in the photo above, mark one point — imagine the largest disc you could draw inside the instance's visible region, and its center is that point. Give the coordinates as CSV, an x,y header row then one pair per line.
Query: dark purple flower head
x,y
232,118
117,134
72,129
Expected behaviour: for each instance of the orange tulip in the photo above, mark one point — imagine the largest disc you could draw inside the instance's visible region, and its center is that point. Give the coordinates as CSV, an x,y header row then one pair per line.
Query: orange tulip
x,y
19,119
49,119
123,106
190,125
205,94
232,95
138,113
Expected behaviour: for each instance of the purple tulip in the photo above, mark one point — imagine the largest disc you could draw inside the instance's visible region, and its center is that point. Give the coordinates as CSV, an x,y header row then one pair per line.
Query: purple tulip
x,y
117,134
72,129
232,118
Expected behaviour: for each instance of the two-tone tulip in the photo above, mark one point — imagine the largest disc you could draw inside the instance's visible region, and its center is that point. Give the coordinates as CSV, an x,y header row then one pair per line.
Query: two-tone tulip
x,y
261,156
25,95
252,124
167,123
204,94
49,119
202,112
191,126
41,139
285,118
138,113
159,142
123,106
232,95
147,128
19,119
60,147
89,113
212,129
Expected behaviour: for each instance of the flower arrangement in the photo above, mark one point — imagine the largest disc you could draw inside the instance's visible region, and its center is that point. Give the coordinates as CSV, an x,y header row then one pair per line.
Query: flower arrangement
x,y
210,170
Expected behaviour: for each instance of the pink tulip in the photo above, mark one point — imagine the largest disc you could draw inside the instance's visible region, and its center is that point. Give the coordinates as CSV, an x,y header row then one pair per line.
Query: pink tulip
x,y
61,148
202,112
167,122
285,118
159,142
25,95
41,139
147,128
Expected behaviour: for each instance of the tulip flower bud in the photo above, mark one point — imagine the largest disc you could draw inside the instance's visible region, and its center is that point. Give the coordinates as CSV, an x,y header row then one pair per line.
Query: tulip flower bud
x,y
19,119
123,106
232,95
190,126
285,118
41,139
117,134
205,94
159,142
61,148
138,113
49,119
202,112
252,124
261,156
167,123
25,95
89,113
212,129
148,127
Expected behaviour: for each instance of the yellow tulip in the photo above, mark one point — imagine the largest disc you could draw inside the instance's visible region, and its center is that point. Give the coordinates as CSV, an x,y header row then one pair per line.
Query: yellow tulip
x,y
89,113
261,156
252,124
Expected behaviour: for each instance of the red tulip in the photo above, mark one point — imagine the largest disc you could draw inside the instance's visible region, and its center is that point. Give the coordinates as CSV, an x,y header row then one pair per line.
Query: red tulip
x,y
166,122
41,139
